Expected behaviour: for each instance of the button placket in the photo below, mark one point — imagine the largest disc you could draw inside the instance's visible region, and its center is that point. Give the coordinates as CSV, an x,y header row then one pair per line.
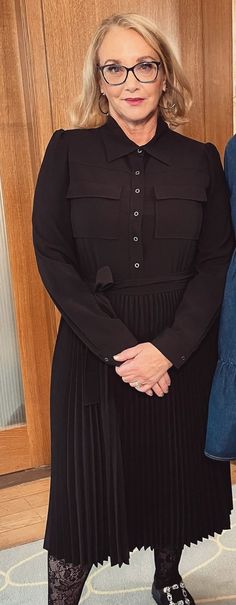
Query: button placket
x,y
136,212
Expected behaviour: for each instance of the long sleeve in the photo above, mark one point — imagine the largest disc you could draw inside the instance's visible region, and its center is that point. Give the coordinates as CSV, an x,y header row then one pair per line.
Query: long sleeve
x,y
230,173
95,324
202,298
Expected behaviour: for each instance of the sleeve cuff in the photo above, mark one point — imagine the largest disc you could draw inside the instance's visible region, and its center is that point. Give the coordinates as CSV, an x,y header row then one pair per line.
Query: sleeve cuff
x,y
119,339
171,346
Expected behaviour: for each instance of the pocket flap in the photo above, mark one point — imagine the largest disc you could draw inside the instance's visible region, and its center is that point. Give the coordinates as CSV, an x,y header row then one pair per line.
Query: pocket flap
x,y
91,189
177,191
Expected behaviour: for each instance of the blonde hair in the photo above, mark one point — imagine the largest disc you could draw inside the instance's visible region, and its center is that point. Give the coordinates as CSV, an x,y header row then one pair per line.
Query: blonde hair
x,y
175,102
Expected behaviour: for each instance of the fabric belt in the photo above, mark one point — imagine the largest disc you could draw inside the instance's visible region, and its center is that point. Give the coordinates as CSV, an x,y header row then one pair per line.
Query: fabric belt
x,y
101,286
104,281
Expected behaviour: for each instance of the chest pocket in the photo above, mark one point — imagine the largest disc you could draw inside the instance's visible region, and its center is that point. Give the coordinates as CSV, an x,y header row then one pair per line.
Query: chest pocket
x,y
178,211
95,209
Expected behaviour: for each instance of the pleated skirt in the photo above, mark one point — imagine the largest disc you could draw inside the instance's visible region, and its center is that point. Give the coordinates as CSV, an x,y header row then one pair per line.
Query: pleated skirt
x,y
129,470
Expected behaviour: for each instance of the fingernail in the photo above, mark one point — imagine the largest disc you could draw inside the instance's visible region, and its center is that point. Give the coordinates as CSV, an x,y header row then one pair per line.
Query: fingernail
x,y
116,357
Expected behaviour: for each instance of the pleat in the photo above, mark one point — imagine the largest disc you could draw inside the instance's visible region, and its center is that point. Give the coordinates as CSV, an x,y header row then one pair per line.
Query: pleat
x,y
129,470
174,498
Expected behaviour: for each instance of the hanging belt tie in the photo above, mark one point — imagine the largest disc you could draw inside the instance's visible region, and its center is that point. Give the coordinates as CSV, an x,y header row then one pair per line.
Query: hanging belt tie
x,y
104,279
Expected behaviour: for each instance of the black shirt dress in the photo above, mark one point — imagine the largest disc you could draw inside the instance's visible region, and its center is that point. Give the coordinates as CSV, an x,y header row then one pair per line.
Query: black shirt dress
x,y
132,244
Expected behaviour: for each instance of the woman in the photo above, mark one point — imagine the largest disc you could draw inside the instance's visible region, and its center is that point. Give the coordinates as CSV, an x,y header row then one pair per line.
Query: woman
x,y
132,236
221,426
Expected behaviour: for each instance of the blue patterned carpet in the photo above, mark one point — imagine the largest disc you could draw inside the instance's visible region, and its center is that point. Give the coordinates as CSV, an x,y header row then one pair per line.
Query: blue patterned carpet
x,y
209,570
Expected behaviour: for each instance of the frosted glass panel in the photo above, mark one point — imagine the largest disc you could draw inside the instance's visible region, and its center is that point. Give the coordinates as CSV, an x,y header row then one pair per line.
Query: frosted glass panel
x,y
12,409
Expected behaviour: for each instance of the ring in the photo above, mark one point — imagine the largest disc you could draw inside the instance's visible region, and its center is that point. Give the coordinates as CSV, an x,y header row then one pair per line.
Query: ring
x,y
137,385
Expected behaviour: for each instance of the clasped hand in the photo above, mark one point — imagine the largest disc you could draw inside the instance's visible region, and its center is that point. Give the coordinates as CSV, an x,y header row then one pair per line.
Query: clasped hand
x,y
146,365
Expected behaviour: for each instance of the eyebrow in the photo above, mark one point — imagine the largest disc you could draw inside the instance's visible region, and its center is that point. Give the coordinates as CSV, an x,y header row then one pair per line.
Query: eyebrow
x,y
139,59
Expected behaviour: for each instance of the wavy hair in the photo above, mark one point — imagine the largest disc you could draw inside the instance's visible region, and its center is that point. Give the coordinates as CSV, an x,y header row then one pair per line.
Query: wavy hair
x,y
175,102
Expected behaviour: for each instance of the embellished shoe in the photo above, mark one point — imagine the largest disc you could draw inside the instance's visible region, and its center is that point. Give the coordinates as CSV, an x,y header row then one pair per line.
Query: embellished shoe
x,y
172,595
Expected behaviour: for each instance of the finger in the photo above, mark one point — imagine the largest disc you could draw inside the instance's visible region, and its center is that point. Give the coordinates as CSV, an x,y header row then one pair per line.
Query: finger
x,y
127,353
130,375
158,390
160,375
133,382
126,373
144,388
163,384
164,377
167,378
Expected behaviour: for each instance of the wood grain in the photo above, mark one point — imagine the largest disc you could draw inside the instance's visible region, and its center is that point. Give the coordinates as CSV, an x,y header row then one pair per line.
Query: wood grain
x,y
30,501
42,53
218,74
26,489
22,140
13,450
23,512
22,535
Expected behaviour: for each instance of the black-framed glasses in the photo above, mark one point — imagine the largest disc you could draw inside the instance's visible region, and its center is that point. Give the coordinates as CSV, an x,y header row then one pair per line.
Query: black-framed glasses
x,y
116,74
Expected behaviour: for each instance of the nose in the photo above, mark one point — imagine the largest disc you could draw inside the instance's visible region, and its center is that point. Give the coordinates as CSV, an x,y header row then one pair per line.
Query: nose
x,y
131,83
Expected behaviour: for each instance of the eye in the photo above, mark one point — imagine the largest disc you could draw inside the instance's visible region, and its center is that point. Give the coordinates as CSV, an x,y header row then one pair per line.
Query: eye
x,y
114,69
146,67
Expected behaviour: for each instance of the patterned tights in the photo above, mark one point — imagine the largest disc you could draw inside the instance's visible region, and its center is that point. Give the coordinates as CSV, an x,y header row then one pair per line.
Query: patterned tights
x,y
167,567
66,580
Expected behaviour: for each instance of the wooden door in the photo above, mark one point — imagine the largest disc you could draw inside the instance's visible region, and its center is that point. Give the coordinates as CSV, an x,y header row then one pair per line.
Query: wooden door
x,y
43,45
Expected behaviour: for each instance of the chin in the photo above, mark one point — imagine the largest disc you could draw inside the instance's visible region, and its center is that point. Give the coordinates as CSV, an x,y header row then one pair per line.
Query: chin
x,y
134,114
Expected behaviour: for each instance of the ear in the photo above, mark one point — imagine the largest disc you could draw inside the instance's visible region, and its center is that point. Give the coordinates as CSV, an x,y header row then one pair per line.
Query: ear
x,y
164,86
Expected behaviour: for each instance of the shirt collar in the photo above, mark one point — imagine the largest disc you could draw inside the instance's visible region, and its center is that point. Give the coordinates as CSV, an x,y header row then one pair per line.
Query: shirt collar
x,y
117,143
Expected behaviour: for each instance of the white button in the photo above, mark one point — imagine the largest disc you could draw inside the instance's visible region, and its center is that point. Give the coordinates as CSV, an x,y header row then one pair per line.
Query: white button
x,y
136,213
135,238
106,358
137,190
137,172
139,150
136,265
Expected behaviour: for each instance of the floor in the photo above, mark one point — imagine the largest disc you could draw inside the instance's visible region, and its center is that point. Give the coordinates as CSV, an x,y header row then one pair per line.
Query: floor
x,y
208,568
23,510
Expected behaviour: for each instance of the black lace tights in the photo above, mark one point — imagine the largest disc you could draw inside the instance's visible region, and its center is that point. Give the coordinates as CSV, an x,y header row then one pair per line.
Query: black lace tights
x,y
65,581
167,564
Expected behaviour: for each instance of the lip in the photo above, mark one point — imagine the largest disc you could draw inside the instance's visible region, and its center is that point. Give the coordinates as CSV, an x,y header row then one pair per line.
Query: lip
x,y
134,101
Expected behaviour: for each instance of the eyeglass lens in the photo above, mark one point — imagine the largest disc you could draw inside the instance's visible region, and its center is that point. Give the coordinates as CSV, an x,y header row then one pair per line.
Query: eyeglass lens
x,y
116,74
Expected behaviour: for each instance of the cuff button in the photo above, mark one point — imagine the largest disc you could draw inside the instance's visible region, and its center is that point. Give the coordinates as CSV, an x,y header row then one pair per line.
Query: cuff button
x,y
183,358
106,358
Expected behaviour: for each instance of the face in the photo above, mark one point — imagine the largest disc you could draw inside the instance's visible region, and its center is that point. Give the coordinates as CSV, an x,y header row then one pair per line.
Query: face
x,y
132,101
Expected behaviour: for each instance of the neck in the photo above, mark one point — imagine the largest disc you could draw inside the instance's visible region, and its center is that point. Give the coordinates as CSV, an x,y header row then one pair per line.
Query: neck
x,y
139,131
